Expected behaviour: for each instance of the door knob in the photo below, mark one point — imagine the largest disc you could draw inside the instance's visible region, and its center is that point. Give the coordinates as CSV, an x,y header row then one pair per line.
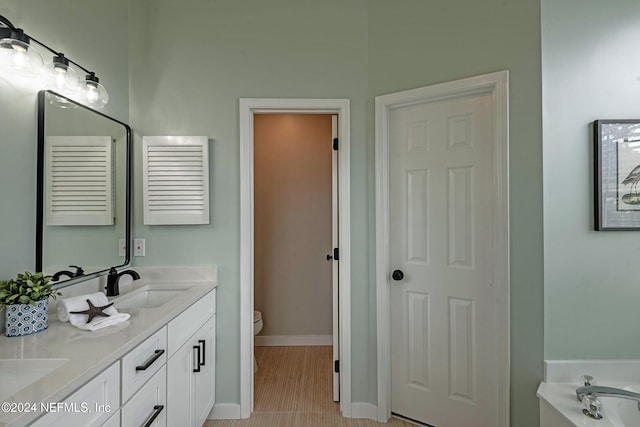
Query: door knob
x,y
397,275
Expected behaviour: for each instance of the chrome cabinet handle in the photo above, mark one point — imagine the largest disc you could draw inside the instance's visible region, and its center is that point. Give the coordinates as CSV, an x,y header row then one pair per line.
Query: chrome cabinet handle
x,y
156,411
156,356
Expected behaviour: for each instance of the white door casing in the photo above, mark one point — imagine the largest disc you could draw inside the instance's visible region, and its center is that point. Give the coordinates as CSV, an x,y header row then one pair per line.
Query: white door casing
x,y
249,107
442,218
335,266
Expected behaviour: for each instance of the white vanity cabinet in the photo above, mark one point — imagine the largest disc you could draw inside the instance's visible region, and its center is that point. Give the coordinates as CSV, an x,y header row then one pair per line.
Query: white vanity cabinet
x,y
191,365
91,405
168,379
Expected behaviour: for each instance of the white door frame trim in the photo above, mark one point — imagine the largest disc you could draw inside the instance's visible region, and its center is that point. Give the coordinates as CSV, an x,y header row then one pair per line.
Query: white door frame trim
x,y
249,107
498,85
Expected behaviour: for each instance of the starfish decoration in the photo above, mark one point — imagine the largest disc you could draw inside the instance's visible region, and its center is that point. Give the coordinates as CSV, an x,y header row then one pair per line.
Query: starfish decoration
x,y
93,311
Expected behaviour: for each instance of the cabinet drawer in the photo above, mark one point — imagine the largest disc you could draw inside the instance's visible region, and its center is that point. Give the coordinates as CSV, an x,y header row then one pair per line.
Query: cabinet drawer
x,y
148,403
186,324
91,405
142,362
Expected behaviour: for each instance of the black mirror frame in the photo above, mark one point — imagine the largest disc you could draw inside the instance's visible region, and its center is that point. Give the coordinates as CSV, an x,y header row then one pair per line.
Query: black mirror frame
x,y
40,187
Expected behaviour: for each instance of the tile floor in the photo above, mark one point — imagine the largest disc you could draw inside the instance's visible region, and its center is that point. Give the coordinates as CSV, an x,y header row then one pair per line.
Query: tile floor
x,y
293,388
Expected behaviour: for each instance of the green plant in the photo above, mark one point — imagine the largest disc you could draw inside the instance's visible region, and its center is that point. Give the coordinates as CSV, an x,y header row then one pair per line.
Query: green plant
x,y
26,288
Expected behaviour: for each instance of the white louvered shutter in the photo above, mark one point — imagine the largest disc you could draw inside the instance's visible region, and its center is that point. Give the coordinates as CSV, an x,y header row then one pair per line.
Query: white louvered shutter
x,y
176,179
79,186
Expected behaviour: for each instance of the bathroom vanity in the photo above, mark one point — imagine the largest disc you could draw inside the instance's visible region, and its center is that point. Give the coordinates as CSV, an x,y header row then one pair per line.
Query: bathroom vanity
x,y
157,368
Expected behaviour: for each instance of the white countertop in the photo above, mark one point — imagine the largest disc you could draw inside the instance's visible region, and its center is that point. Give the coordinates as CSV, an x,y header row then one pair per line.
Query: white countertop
x,y
88,352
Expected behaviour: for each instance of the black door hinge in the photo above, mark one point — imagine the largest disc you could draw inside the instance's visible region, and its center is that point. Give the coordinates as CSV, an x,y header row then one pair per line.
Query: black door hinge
x,y
336,366
336,254
335,144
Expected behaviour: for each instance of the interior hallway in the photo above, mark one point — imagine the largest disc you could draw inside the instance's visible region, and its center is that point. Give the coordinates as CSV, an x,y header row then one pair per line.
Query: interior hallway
x,y
293,388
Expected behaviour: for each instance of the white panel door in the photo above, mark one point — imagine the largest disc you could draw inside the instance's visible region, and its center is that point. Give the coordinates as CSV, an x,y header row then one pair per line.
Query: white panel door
x,y
442,201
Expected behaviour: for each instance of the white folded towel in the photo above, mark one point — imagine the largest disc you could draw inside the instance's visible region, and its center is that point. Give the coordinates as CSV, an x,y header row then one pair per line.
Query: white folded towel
x,y
79,303
103,322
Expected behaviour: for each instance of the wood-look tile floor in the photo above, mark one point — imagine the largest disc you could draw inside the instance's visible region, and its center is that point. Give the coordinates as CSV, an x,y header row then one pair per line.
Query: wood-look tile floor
x,y
293,388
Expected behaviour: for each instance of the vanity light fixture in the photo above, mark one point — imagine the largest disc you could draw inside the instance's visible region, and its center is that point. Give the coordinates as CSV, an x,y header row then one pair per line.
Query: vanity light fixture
x,y
17,54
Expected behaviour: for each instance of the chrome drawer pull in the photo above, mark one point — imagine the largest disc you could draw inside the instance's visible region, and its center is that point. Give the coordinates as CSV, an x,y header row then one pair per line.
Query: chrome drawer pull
x,y
149,362
156,411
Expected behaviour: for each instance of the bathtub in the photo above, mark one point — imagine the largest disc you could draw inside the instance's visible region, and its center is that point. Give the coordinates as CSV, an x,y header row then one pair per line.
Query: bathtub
x,y
559,406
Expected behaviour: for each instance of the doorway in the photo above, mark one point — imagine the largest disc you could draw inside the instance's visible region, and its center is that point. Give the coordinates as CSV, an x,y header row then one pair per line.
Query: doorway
x,y
295,233
442,253
248,109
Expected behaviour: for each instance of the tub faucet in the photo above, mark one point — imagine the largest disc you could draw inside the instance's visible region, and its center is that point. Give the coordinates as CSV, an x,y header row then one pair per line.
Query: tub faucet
x,y
594,391
113,287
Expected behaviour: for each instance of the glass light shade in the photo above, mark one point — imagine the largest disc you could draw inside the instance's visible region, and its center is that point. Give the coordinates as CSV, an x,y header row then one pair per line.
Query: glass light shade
x,y
60,78
18,57
94,94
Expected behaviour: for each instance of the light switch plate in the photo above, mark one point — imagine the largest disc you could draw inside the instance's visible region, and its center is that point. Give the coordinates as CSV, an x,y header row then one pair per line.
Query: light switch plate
x,y
122,251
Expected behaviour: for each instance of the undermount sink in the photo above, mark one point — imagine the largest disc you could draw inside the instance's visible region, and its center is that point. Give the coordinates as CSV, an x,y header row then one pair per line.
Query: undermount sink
x,y
18,374
149,296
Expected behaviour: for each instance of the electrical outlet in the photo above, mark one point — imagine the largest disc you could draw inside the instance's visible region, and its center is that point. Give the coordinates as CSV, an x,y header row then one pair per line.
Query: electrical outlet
x,y
122,251
138,247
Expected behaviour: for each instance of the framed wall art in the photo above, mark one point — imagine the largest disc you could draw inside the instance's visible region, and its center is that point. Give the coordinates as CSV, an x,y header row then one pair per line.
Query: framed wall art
x,y
617,174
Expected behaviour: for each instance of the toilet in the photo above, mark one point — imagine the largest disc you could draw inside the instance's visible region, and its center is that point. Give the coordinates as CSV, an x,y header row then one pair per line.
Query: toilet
x,y
257,327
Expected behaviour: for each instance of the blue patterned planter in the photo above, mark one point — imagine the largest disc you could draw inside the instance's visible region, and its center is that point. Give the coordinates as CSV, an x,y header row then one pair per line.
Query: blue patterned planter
x,y
25,319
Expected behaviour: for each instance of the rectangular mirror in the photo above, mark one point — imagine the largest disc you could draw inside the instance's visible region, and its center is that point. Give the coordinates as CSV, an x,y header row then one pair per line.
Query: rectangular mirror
x,y
84,188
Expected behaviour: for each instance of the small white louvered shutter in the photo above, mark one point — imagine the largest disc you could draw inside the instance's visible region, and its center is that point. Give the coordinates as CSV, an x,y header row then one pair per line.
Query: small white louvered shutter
x,y
176,179
79,188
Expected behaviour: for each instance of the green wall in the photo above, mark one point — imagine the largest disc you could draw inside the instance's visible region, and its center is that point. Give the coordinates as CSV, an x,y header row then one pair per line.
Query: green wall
x,y
591,70
86,34
189,82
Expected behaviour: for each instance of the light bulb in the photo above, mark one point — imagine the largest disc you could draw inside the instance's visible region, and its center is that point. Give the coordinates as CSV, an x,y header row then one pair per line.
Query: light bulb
x,y
16,56
18,46
58,76
94,94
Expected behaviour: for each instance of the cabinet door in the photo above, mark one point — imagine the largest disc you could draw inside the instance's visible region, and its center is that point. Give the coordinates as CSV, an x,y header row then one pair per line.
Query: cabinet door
x,y
205,380
191,378
180,387
114,421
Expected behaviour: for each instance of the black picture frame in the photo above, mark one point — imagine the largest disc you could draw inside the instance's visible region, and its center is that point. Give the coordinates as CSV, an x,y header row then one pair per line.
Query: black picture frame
x,y
617,174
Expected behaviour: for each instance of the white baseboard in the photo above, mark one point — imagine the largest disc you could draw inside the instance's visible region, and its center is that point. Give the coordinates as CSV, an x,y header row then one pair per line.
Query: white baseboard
x,y
225,411
292,340
364,410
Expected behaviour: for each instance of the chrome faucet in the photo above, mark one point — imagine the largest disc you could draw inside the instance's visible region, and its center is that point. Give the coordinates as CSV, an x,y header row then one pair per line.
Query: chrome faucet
x,y
600,391
113,287
592,392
